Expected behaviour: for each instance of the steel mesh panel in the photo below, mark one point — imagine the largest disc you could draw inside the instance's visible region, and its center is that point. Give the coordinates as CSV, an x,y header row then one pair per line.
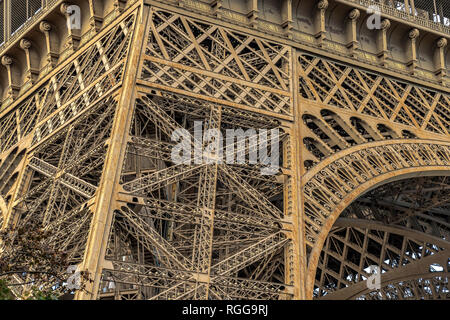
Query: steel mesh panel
x,y
33,7
21,11
18,14
434,10
2,22
437,10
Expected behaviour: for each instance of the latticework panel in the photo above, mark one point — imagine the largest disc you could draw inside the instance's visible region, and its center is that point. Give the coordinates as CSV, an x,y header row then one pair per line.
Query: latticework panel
x,y
399,227
325,190
200,58
206,228
360,128
349,251
9,165
325,132
92,144
54,142
373,95
432,287
163,241
19,123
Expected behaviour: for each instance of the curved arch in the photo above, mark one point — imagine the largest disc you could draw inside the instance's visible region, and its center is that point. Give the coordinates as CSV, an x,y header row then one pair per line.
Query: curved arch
x,y
425,276
415,278
376,225
356,171
395,267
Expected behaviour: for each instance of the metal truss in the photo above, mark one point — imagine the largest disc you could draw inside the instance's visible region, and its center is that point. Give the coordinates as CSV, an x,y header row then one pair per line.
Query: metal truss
x,y
60,140
366,93
402,228
87,149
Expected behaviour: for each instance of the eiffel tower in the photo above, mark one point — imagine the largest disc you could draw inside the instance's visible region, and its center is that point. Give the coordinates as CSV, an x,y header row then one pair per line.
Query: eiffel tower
x,y
92,91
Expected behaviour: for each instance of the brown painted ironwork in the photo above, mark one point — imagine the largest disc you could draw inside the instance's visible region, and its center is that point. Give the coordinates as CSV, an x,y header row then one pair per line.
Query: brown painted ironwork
x,y
87,115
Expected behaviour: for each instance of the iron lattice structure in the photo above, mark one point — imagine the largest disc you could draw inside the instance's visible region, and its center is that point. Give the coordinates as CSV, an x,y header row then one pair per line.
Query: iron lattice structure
x,y
86,146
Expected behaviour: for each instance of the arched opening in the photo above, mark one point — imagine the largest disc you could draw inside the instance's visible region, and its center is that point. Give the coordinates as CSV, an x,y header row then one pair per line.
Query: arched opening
x,y
408,134
364,129
317,149
387,132
354,173
399,228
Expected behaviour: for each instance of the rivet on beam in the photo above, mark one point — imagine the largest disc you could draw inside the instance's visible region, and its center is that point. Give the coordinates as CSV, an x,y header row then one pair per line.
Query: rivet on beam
x,y
411,50
319,21
32,59
352,39
382,43
439,59
52,44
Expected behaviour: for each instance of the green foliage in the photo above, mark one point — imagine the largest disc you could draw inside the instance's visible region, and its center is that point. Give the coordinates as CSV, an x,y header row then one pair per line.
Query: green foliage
x,y
28,256
37,294
34,294
5,291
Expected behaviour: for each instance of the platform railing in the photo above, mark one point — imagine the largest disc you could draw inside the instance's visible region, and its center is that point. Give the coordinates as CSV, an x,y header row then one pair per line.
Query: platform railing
x,y
406,10
7,7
